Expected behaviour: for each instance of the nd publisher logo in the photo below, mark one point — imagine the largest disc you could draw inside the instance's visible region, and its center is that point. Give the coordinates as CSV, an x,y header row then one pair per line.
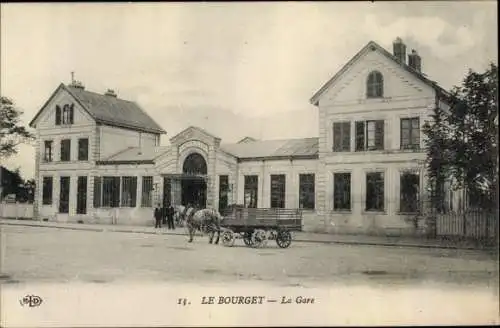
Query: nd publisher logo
x,y
31,301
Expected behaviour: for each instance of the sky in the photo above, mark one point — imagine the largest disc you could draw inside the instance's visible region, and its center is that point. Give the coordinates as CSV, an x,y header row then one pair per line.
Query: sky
x,y
234,69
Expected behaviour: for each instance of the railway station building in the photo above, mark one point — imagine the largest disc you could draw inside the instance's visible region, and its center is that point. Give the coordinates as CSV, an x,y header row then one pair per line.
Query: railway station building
x,y
99,160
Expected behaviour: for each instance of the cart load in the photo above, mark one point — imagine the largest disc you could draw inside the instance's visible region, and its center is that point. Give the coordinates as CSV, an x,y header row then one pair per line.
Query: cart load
x,y
256,226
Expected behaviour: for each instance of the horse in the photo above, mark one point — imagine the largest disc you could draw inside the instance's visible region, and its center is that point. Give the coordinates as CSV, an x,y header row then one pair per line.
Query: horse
x,y
179,214
207,218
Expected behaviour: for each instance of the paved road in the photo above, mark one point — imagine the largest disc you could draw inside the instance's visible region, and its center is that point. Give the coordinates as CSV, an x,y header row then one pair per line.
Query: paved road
x,y
33,254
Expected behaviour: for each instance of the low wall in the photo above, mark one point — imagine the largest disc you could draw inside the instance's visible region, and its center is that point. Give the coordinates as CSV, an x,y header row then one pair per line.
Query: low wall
x,y
118,216
365,223
16,210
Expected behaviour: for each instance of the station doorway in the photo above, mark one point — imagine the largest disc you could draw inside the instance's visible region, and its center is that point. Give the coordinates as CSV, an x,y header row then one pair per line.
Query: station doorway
x,y
194,185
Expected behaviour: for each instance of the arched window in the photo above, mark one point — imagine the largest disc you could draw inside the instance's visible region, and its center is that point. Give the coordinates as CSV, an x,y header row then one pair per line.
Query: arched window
x,y
375,85
194,164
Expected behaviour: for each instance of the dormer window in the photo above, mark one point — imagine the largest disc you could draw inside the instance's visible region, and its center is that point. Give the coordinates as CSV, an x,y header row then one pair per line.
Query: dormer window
x,y
375,85
65,115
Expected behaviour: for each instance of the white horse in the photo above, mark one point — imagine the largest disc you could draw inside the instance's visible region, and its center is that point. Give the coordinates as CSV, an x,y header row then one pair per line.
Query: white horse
x,y
179,214
207,219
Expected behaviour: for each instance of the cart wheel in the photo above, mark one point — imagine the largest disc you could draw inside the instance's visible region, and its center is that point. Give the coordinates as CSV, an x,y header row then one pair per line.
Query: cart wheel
x,y
228,238
247,238
284,239
259,238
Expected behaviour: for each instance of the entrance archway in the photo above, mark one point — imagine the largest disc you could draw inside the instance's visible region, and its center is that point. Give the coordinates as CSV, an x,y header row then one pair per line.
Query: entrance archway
x,y
194,186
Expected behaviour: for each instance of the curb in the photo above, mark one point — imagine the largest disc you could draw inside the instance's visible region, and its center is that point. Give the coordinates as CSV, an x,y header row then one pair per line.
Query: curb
x,y
360,243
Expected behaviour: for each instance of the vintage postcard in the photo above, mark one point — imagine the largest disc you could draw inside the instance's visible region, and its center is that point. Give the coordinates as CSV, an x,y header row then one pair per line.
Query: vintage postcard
x,y
249,164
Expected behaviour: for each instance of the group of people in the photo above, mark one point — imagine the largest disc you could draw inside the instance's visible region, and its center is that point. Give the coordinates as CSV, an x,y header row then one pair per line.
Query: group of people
x,y
164,215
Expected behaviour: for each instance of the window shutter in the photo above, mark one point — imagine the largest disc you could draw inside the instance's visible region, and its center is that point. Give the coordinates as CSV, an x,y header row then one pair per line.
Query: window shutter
x,y
71,113
346,136
379,134
360,136
58,115
337,132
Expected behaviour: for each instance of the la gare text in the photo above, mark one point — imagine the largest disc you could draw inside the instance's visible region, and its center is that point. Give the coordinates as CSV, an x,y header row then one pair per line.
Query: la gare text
x,y
246,300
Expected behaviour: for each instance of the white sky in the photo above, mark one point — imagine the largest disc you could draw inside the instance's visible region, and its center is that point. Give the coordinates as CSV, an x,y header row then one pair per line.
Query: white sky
x,y
235,69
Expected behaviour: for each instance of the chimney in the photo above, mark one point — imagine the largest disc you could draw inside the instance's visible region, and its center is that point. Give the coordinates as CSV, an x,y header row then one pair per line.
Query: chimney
x,y
399,49
77,84
110,93
415,61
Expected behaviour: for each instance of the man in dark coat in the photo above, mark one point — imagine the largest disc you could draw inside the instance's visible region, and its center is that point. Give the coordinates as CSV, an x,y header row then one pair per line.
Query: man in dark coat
x,y
157,215
170,217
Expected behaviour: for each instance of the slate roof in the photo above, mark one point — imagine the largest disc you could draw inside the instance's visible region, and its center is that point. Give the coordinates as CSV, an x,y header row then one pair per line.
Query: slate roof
x,y
266,149
111,110
372,45
304,147
138,154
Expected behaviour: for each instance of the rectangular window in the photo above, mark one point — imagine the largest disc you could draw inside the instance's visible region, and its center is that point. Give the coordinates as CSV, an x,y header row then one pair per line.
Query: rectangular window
x,y
129,191
409,190
47,150
306,191
58,115
251,189
64,184
374,191
369,135
83,149
47,191
410,133
342,191
147,192
81,196
278,187
223,192
68,114
97,192
65,150
111,192
342,136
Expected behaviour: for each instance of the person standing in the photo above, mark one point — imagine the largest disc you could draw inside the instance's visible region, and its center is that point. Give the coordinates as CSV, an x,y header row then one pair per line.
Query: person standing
x,y
170,217
157,215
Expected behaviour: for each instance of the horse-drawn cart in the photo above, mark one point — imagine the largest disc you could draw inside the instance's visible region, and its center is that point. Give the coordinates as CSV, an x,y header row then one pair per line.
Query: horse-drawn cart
x,y
258,225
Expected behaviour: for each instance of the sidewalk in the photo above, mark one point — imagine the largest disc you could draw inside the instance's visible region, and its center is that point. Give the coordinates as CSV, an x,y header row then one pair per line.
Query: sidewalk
x,y
297,236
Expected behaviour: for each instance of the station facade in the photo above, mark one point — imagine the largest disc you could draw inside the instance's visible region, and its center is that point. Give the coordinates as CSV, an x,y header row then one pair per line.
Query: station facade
x,y
99,159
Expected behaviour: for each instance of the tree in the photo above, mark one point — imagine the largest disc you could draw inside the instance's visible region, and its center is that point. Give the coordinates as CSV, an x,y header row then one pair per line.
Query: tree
x,y
438,155
26,193
12,133
11,181
463,141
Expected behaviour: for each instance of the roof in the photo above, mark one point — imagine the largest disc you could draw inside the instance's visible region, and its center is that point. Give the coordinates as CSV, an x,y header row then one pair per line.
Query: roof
x,y
372,45
192,128
289,148
247,139
110,110
137,154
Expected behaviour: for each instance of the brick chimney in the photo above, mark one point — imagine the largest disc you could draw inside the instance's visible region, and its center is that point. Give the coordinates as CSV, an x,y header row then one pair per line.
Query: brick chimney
x,y
399,49
415,61
110,93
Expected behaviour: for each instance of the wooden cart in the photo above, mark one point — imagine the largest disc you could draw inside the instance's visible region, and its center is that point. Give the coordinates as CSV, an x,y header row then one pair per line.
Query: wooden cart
x,y
258,225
